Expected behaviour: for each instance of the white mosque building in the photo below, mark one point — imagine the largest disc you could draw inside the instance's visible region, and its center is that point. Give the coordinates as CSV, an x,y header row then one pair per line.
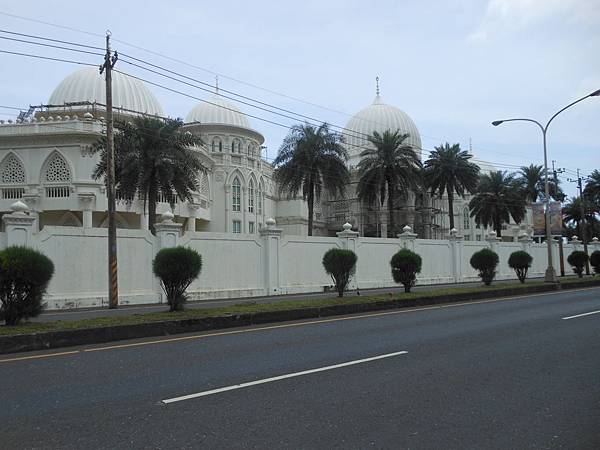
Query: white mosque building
x,y
46,162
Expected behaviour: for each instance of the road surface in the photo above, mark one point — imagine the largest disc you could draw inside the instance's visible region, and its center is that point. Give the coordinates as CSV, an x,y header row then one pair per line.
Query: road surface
x,y
520,373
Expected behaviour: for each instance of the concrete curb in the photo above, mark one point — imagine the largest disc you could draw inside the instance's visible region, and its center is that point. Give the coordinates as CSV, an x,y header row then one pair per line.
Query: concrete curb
x,y
87,336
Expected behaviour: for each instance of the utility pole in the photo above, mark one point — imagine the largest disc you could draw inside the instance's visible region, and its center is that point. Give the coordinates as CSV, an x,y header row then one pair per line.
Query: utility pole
x,y
583,221
113,287
555,172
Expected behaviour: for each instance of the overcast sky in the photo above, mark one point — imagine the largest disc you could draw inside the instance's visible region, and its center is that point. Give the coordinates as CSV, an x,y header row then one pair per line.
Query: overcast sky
x,y
452,66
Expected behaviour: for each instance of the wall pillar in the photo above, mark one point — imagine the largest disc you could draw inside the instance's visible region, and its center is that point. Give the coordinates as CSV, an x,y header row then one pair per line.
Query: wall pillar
x,y
348,239
407,238
18,225
525,240
456,248
193,208
167,231
271,236
492,241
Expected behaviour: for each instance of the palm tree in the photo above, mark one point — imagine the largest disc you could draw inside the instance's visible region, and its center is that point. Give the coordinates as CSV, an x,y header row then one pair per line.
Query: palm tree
x,y
498,197
388,168
592,187
152,157
449,170
532,181
311,159
572,214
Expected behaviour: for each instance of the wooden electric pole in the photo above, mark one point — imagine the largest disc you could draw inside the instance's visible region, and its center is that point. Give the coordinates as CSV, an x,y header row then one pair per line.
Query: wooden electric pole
x,y
113,287
583,222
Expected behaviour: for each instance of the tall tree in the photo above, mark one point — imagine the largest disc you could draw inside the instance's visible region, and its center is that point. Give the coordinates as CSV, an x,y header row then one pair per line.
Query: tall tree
x,y
498,197
533,179
152,157
448,170
572,214
592,187
388,168
311,159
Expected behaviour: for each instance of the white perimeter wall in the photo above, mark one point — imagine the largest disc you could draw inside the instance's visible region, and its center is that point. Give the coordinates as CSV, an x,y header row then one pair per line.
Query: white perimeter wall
x,y
245,265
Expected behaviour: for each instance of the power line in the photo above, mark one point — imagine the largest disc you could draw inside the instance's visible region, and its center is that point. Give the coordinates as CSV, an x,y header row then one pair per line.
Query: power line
x,y
48,58
50,39
50,45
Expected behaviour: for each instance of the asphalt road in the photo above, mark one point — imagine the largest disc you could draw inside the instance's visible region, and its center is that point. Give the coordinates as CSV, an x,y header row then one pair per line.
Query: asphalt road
x,y
90,313
505,374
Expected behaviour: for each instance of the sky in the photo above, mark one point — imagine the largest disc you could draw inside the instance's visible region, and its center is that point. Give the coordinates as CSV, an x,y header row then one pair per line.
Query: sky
x,y
453,66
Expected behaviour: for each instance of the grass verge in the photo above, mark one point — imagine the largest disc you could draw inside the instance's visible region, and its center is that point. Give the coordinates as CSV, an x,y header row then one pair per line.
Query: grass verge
x,y
249,308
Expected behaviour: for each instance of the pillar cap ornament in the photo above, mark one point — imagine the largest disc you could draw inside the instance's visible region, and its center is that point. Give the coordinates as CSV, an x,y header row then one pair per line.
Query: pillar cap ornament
x,y
167,216
270,222
594,239
347,226
19,207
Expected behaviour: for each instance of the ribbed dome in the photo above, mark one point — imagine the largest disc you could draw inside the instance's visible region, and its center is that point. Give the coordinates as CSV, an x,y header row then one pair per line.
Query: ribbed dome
x,y
88,85
218,111
378,117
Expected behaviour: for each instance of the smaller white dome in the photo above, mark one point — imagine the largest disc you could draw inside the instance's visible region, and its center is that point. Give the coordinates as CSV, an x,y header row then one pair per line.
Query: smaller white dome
x,y
218,111
88,85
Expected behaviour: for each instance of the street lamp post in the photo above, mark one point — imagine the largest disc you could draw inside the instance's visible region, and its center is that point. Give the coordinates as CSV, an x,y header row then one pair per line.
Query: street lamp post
x,y
550,272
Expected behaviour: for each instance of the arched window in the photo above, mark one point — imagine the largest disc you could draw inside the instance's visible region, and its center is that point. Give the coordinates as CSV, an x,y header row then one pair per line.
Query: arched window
x,y
235,146
251,196
466,219
260,199
204,187
12,171
57,177
217,145
250,150
236,194
57,170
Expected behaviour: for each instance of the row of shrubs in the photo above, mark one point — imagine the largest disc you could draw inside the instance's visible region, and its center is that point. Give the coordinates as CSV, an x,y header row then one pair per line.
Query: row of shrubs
x,y
406,264
25,274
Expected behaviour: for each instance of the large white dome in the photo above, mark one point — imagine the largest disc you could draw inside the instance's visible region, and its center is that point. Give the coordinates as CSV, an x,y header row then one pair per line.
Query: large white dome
x,y
378,117
88,85
218,111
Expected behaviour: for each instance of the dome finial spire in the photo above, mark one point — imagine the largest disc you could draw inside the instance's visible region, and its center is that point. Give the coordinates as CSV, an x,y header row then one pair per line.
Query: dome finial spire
x,y
377,85
216,84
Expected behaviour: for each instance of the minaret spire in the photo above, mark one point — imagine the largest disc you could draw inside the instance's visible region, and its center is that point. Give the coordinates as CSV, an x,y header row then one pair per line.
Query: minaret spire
x,y
377,86
217,83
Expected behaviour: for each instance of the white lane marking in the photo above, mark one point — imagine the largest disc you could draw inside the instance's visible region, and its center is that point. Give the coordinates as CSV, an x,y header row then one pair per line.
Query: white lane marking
x,y
280,377
581,315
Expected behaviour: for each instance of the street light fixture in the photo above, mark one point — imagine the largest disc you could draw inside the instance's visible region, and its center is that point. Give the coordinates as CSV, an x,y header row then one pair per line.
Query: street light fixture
x,y
550,272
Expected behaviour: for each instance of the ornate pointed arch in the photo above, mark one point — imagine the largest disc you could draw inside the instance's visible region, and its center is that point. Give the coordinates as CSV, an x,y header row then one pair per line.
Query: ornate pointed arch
x,y
12,170
56,169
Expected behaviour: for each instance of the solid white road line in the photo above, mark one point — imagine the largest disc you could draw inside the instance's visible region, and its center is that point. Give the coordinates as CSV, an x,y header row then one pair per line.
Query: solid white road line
x,y
581,315
280,377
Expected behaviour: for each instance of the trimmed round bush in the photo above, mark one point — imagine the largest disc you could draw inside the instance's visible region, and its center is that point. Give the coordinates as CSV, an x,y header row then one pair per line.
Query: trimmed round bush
x,y
520,262
577,260
595,261
406,264
176,267
485,262
340,265
24,277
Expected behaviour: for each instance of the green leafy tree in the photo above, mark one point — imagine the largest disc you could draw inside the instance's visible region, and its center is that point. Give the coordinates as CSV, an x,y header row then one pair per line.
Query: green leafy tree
x,y
340,265
485,262
388,168
577,260
310,160
520,261
532,180
572,214
449,170
177,268
152,157
498,197
595,261
24,277
592,187
406,264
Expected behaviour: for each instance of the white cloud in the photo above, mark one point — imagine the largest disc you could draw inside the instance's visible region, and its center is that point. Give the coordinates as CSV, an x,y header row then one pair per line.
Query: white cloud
x,y
512,15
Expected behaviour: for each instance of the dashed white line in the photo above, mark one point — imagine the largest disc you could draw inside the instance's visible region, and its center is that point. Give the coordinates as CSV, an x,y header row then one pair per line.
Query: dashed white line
x,y
581,315
280,377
